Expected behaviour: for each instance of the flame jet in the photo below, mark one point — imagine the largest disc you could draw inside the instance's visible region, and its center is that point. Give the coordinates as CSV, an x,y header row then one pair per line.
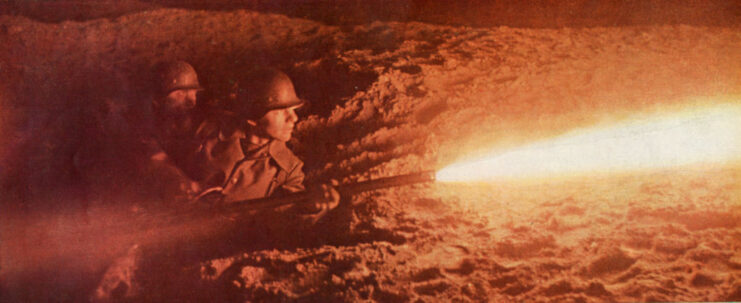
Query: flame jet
x,y
706,136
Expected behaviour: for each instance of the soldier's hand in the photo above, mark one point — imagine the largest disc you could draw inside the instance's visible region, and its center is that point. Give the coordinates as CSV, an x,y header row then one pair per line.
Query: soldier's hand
x,y
326,197
190,188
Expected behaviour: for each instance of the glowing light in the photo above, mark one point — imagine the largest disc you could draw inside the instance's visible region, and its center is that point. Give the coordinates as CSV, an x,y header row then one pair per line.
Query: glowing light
x,y
711,135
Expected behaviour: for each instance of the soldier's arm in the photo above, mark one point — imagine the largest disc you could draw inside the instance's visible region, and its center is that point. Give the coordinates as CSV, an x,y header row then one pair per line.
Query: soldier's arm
x,y
168,180
323,197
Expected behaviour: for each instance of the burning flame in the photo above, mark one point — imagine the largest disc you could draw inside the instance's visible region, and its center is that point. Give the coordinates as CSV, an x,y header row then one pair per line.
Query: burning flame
x,y
710,135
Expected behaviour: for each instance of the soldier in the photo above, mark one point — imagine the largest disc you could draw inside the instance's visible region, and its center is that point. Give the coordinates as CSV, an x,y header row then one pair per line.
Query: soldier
x,y
160,173
175,119
252,160
122,162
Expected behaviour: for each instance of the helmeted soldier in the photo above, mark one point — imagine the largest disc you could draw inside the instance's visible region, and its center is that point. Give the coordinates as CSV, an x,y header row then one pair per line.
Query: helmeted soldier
x,y
174,146
124,160
161,172
252,160
174,100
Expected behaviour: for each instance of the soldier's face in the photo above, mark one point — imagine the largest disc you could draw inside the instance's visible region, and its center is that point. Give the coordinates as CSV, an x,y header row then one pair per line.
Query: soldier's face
x,y
279,123
179,102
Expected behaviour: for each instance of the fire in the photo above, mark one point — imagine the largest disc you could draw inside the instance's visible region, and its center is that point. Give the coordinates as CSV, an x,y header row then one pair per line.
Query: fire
x,y
705,136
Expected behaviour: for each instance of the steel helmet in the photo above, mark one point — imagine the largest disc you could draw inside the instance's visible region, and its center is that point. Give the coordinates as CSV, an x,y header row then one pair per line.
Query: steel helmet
x,y
263,90
175,75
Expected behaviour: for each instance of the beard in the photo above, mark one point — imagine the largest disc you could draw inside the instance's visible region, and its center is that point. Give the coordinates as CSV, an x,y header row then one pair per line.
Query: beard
x,y
176,124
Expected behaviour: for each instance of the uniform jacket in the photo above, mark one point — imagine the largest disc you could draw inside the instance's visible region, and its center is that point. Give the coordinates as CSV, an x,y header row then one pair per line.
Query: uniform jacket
x,y
245,171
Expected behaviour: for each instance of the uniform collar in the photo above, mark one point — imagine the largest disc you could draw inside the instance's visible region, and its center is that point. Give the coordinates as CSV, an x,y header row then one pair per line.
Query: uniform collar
x,y
282,155
275,149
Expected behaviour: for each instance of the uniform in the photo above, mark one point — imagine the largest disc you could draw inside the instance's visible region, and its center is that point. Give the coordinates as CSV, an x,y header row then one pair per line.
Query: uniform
x,y
245,171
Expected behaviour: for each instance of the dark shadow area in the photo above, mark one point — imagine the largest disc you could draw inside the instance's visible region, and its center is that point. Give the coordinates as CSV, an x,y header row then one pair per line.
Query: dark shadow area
x,y
475,13
53,11
327,83
63,112
68,282
576,13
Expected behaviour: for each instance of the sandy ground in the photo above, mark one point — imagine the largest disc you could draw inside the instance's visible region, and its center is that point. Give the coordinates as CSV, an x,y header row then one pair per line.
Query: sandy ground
x,y
394,98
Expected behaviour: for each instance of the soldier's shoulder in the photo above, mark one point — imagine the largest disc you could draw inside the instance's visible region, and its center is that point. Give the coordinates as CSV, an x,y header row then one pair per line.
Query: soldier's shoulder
x,y
283,155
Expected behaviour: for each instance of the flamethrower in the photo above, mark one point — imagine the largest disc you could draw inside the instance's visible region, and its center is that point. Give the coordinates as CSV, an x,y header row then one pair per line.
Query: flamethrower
x,y
344,190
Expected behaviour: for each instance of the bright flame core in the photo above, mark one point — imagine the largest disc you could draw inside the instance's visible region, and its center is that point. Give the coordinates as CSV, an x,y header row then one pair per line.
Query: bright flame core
x,y
711,135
